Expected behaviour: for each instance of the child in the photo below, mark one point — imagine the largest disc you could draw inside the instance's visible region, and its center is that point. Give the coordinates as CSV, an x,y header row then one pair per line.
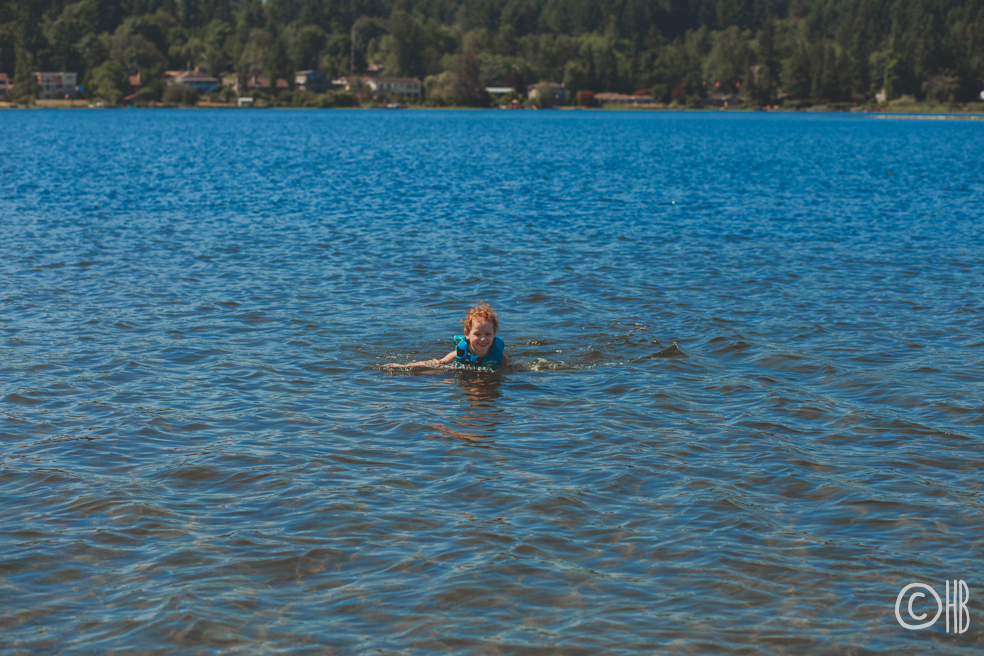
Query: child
x,y
478,347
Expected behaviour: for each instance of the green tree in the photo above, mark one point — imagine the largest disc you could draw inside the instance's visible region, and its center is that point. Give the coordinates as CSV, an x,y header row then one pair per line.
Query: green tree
x,y
66,31
575,78
504,42
134,52
110,82
590,71
304,46
729,60
338,99
765,78
364,31
826,79
92,52
188,52
689,59
181,94
278,66
439,90
890,81
607,67
545,95
836,49
255,54
899,76
152,85
335,58
860,71
469,90
154,28
221,46
796,80
943,88
516,78
25,88
409,41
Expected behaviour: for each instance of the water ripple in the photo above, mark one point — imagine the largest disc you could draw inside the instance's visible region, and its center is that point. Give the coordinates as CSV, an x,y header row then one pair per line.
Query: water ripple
x,y
743,409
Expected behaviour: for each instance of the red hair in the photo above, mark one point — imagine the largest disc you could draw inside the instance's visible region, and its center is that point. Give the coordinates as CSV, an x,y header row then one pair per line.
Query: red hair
x,y
479,313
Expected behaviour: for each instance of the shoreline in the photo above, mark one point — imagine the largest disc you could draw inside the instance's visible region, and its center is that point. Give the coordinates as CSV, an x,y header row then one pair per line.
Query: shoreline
x,y
968,111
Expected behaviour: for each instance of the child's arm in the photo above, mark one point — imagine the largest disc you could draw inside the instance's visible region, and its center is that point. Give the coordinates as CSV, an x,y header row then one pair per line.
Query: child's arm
x,y
425,363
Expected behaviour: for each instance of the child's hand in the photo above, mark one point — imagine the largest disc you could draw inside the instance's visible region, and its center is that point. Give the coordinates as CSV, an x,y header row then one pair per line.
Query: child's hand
x,y
391,365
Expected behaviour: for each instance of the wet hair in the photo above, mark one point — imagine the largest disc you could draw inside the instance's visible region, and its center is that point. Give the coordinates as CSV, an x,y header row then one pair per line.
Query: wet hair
x,y
479,313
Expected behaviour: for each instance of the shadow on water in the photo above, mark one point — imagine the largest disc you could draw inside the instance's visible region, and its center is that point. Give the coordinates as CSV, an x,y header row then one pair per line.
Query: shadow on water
x,y
473,417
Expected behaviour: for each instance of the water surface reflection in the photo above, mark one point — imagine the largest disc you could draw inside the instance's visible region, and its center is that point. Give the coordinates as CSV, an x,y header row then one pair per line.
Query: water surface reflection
x,y
473,415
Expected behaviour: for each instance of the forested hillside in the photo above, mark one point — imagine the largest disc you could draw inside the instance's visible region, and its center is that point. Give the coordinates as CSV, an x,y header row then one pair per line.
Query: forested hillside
x,y
808,50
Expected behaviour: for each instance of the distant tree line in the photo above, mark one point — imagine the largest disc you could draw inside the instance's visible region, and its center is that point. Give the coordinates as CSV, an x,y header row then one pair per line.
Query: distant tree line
x,y
807,51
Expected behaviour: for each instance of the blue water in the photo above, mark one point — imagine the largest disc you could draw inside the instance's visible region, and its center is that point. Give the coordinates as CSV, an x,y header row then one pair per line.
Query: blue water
x,y
744,407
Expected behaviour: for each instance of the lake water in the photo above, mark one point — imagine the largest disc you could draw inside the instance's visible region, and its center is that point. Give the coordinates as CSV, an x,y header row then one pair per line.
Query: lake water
x,y
745,408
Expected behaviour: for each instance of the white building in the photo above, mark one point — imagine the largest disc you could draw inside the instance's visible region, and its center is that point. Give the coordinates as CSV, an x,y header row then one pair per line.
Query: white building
x,y
386,87
498,92
57,86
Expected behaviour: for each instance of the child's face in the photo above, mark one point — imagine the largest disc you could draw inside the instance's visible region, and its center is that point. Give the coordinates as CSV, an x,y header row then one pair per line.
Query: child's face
x,y
480,337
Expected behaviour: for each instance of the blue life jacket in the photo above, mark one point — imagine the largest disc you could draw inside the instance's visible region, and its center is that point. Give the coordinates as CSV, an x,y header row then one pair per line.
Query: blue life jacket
x,y
492,360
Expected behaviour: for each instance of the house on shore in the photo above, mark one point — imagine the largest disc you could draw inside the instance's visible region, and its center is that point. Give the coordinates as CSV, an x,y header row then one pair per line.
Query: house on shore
x,y
384,87
499,92
313,81
253,83
4,84
195,79
57,86
387,87
135,86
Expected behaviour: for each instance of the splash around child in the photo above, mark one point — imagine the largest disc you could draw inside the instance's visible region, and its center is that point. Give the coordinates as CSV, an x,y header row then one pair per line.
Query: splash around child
x,y
478,347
